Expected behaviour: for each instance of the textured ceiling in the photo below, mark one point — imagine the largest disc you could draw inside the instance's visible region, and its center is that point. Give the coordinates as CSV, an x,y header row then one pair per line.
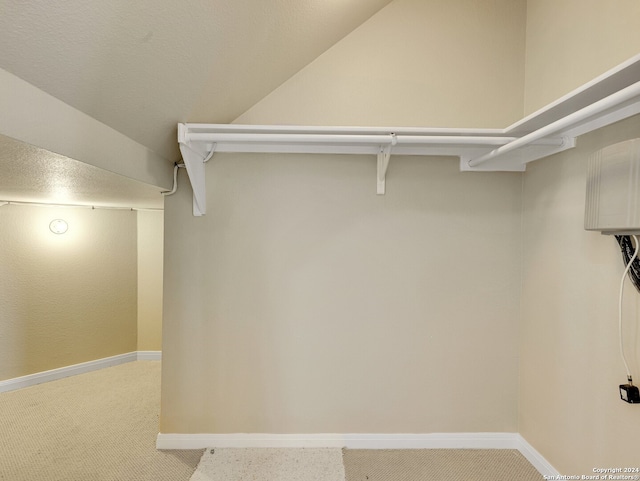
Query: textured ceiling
x,y
142,66
30,174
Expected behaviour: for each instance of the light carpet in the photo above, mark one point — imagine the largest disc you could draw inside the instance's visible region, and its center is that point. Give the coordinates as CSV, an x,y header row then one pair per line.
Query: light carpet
x,y
270,464
438,465
98,426
101,426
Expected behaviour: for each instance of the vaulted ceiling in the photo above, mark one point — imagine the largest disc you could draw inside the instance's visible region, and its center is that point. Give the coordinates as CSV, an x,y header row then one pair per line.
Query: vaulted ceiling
x,y
142,66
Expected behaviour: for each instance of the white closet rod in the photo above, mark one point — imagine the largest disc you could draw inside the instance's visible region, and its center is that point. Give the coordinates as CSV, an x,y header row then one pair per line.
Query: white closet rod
x,y
291,138
612,101
388,139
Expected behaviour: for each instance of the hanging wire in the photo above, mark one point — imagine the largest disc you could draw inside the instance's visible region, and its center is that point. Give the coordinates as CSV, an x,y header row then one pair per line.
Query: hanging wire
x,y
628,249
624,275
173,190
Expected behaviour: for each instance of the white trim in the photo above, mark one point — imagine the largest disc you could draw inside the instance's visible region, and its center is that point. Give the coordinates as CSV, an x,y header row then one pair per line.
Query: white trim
x,y
535,458
53,374
149,355
353,441
84,367
430,441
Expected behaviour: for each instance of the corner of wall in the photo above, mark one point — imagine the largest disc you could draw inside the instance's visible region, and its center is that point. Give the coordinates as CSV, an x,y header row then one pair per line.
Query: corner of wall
x,y
150,241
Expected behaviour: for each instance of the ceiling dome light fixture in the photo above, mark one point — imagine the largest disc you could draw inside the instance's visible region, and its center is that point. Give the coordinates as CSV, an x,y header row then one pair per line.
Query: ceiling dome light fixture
x,y
58,226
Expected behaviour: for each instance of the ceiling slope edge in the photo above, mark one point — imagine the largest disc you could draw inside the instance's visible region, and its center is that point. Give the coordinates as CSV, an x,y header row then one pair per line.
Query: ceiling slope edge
x,y
32,116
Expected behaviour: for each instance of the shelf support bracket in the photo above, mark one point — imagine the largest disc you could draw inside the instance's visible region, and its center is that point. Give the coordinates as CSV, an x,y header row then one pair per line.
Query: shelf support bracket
x,y
384,154
194,157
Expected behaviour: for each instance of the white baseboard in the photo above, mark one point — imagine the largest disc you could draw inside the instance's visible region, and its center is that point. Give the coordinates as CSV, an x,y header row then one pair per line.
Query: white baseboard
x,y
361,441
62,372
536,459
353,441
149,355
430,441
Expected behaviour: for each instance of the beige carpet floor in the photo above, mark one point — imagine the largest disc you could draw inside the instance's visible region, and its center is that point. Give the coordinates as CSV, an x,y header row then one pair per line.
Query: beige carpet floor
x,y
98,426
102,426
267,464
438,465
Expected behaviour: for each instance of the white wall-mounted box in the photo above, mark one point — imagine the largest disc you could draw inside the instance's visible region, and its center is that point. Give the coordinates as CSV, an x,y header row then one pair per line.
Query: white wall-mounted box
x,y
613,189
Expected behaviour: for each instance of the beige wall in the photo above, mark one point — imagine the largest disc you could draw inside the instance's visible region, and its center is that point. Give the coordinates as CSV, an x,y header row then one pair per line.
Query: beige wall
x,y
426,63
570,366
69,298
304,303
570,42
150,247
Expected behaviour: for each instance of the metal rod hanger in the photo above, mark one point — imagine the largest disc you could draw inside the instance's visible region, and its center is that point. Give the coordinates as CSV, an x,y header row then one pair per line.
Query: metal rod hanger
x,y
81,206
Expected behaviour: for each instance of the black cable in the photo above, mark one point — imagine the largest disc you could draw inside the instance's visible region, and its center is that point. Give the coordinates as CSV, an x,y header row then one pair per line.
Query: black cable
x,y
627,248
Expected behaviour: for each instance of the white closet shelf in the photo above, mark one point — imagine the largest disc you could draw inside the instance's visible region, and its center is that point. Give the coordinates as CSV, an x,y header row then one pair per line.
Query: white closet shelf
x,y
613,96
